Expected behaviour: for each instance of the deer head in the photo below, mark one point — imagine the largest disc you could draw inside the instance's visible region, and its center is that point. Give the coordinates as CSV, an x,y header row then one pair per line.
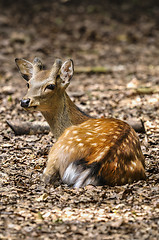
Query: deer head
x,y
45,87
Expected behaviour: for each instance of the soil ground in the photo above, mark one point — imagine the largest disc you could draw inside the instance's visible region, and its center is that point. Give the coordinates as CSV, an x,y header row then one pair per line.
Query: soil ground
x,y
124,38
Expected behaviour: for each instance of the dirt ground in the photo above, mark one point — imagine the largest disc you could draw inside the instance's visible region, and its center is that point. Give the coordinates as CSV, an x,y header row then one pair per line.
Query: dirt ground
x,y
123,38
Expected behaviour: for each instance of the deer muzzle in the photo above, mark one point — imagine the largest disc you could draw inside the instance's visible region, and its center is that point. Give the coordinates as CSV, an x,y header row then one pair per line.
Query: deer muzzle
x,y
25,103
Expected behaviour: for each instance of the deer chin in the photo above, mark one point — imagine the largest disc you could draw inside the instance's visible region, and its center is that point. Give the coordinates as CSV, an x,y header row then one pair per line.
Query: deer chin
x,y
31,108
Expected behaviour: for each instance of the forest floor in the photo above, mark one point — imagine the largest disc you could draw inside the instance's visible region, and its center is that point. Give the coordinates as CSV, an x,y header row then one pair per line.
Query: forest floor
x,y
123,39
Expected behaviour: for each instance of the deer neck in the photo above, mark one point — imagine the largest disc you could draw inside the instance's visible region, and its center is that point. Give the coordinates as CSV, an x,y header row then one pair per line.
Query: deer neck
x,y
63,115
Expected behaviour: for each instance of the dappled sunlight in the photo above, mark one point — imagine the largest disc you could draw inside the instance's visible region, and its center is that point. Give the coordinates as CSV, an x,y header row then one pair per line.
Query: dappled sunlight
x,y
110,214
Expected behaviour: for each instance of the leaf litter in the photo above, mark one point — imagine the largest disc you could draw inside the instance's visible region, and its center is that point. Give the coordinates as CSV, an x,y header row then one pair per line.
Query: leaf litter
x,y
30,210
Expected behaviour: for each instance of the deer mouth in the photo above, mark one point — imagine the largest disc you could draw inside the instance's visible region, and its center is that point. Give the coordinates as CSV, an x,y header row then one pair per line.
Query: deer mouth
x,y
34,107
30,108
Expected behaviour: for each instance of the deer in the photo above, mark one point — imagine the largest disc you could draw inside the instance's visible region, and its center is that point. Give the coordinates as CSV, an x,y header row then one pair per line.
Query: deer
x,y
88,151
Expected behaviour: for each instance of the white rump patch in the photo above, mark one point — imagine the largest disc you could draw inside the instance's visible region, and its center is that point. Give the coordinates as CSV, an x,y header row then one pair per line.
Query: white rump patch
x,y
70,175
80,182
78,177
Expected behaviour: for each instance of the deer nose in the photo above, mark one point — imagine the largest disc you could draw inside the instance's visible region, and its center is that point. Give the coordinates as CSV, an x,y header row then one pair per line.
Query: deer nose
x,y
25,103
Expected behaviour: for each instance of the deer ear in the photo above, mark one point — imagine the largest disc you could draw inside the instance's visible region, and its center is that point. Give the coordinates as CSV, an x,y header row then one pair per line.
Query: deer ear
x,y
66,72
25,68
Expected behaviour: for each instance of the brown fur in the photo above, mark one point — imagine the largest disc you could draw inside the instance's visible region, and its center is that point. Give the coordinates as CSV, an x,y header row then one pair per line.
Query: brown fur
x,y
122,160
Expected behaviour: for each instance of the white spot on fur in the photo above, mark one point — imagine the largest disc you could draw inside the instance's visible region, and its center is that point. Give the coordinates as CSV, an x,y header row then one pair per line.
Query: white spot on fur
x,y
118,151
131,168
115,164
133,163
103,133
75,132
111,144
94,144
103,139
100,156
88,133
66,148
86,125
62,147
98,128
80,144
66,132
117,132
103,153
78,139
107,147
72,149
89,139
98,122
115,136
134,142
111,129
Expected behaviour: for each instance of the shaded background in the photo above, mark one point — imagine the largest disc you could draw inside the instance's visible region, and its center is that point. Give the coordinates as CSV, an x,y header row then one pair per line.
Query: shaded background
x,y
70,28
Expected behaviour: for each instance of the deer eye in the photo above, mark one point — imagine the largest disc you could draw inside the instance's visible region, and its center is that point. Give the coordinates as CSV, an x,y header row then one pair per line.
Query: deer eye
x,y
50,86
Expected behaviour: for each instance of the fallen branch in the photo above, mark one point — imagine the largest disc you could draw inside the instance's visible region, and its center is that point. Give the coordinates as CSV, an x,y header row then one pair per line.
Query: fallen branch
x,y
147,90
96,69
99,69
137,125
28,128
